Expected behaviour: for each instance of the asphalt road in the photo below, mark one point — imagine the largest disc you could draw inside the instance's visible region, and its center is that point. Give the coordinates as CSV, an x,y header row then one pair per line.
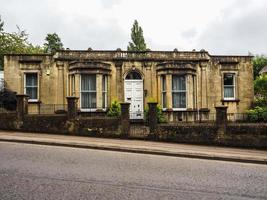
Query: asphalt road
x,y
46,172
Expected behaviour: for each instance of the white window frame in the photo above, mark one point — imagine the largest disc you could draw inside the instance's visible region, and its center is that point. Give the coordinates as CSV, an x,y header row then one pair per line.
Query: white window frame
x,y
179,91
95,91
105,91
25,74
234,86
163,92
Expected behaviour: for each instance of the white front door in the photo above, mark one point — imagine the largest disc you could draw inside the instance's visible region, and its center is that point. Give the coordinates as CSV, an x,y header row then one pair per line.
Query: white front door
x,y
133,93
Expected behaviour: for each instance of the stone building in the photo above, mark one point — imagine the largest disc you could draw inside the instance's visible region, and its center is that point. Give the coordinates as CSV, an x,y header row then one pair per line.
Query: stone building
x,y
183,83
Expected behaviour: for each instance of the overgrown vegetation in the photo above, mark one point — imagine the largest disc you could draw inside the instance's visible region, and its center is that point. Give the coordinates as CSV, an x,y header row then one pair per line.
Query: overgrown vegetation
x,y
8,100
258,113
115,109
259,61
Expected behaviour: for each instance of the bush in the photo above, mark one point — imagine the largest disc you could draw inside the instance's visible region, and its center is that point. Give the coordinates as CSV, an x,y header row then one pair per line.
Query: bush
x,y
115,109
8,100
160,116
258,114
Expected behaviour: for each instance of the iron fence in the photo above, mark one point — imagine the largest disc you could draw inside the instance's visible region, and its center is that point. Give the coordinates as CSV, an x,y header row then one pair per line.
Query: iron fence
x,y
7,108
48,109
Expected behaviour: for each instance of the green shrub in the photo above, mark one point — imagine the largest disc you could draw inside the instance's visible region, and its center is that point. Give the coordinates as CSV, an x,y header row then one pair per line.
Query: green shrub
x,y
160,116
258,114
115,109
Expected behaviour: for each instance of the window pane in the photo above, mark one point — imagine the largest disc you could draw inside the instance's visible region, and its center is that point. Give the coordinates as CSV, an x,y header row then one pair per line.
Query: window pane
x,y
179,99
31,80
88,100
88,83
88,91
31,92
229,92
163,86
133,75
178,83
164,102
104,100
228,79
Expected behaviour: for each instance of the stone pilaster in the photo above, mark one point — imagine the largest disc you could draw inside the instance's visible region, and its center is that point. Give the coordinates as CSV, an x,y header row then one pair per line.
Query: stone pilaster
x,y
99,94
169,90
204,103
119,81
190,92
60,83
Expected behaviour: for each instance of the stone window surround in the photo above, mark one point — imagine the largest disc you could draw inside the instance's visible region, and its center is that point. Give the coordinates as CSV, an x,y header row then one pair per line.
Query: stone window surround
x,y
23,75
99,91
235,72
189,86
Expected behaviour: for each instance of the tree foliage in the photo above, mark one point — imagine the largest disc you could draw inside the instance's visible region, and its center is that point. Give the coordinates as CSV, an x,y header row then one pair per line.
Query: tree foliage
x,y
138,41
260,87
53,43
258,63
16,42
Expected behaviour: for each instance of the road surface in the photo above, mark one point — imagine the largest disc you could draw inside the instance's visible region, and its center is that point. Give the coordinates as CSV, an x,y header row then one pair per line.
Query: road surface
x,y
47,172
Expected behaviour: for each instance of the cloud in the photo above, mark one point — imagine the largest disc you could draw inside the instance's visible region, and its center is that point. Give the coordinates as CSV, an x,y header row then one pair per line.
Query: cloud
x,y
242,29
110,3
221,27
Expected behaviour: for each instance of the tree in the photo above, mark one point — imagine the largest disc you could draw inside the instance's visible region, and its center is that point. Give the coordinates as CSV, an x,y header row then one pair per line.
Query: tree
x,y
138,41
53,43
260,86
16,42
1,25
258,63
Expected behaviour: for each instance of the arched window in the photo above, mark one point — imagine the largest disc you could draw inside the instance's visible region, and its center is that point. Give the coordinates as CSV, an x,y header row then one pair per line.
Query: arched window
x,y
133,75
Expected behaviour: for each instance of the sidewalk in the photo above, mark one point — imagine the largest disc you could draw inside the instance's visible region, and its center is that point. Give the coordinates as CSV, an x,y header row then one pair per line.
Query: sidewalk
x,y
137,146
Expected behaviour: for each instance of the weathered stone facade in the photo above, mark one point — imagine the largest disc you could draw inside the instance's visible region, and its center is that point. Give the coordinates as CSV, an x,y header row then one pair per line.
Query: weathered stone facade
x,y
200,85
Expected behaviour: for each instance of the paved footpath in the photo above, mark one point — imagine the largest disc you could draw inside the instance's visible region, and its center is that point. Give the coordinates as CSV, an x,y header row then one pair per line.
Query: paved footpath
x,y
138,146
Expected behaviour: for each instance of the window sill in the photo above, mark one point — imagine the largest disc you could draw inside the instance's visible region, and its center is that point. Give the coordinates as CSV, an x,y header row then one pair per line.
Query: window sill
x,y
230,100
33,101
94,110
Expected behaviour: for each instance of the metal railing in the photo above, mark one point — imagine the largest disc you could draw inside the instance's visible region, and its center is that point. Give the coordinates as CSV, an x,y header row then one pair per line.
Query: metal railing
x,y
7,108
48,109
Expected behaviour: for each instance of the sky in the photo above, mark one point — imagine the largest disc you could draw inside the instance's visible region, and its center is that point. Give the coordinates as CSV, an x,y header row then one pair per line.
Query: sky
x,y
234,27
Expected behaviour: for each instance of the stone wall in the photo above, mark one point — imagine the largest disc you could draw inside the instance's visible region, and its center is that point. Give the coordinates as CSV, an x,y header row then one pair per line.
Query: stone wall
x,y
59,124
236,135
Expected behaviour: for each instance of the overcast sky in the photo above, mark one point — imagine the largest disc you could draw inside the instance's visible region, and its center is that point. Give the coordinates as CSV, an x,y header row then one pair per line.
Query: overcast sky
x,y
218,26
